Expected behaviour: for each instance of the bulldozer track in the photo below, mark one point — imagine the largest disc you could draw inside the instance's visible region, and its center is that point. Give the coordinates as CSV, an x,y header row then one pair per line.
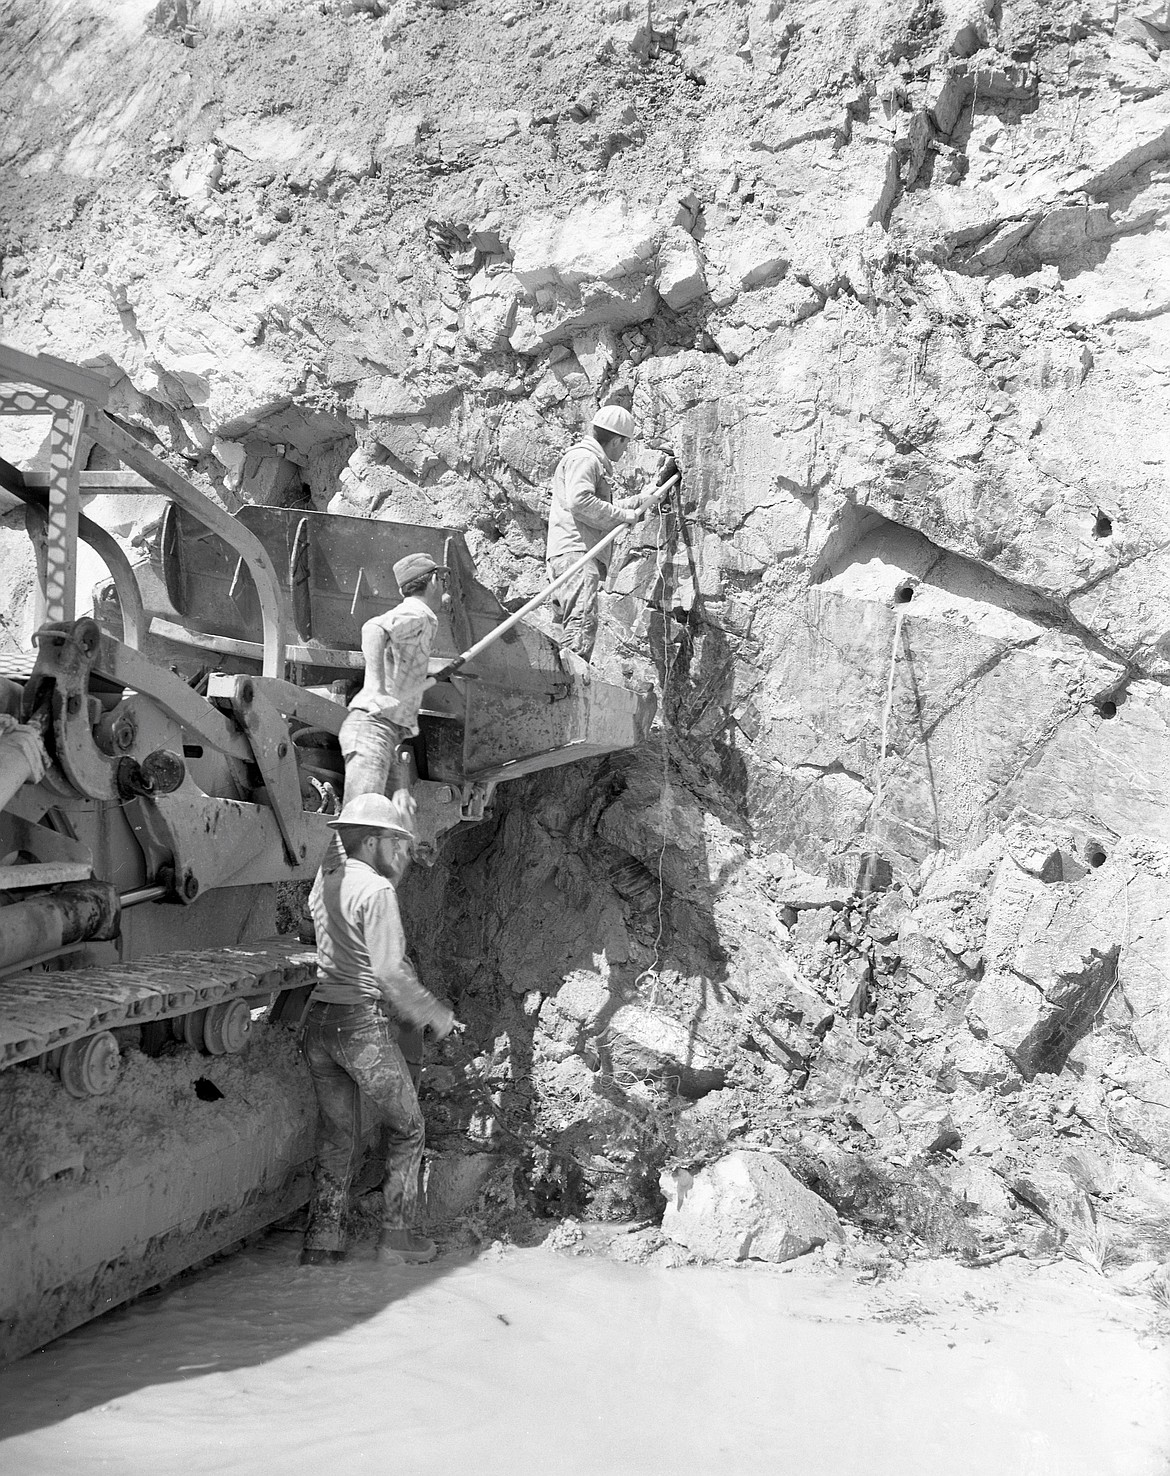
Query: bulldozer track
x,y
41,1011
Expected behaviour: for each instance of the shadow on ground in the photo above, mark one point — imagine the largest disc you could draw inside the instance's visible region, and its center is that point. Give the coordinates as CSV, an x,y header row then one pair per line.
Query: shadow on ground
x,y
246,1310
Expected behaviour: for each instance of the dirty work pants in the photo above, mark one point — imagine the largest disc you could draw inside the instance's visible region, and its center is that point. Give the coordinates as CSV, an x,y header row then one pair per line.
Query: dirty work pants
x,y
369,746
575,604
352,1052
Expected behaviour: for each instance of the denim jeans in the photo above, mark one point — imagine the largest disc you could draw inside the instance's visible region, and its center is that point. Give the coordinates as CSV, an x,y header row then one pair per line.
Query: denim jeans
x,y
352,1052
369,745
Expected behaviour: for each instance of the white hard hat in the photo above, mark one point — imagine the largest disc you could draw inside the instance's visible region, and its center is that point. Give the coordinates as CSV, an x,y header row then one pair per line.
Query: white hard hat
x,y
374,812
614,418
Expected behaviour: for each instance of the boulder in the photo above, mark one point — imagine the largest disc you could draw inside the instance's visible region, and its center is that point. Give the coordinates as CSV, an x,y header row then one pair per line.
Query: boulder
x,y
628,1041
1067,232
839,1066
1010,1012
1055,1196
875,1117
976,1184
195,176
928,1127
746,1207
792,887
582,999
596,350
980,1064
598,241
885,920
680,280
1142,1126
490,311
1139,1113
759,254
1054,950
648,1045
1145,932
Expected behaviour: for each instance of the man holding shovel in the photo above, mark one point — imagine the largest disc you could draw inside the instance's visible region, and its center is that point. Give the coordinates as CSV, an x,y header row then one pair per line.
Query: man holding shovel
x,y
583,512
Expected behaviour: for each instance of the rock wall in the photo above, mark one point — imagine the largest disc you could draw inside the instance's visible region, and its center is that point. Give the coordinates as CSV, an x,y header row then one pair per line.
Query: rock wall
x,y
892,280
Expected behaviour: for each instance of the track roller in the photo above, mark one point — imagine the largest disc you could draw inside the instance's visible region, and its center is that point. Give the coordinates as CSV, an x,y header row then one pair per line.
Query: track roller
x,y
190,1028
89,1067
227,1027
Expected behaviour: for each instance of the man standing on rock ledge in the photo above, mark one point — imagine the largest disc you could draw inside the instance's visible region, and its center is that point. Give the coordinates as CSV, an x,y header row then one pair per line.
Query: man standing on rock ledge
x,y
583,511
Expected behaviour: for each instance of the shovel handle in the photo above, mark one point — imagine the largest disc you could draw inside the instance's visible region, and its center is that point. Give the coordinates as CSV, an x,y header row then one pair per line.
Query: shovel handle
x,y
542,598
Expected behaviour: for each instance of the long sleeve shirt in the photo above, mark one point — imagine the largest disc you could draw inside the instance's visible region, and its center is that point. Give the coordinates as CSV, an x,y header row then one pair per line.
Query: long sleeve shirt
x,y
361,948
397,648
583,509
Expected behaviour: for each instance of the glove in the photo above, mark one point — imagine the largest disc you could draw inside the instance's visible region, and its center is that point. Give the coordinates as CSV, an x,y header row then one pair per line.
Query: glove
x,y
666,471
456,1027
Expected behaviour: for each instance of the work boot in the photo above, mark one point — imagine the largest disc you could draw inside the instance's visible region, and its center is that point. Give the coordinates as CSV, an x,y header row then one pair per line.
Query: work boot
x,y
407,1244
321,1258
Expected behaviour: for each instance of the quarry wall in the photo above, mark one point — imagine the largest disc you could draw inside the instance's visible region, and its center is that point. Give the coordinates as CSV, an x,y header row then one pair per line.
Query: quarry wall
x,y
892,281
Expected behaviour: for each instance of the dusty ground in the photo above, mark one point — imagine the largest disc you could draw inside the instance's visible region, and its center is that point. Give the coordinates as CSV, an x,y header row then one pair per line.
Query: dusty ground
x,y
528,1360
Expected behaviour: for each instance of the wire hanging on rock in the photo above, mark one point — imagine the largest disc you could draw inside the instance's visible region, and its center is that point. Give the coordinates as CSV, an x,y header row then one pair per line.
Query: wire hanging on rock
x,y
870,861
667,665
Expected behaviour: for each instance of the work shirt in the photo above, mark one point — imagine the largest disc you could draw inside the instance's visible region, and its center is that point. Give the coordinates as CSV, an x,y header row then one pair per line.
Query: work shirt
x,y
397,648
583,510
361,948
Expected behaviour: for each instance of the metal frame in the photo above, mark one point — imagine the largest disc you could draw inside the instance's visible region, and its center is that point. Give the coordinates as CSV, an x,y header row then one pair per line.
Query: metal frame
x,y
75,399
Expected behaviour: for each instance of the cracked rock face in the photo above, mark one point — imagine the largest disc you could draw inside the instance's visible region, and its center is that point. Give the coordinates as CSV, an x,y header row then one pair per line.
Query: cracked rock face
x,y
890,279
891,283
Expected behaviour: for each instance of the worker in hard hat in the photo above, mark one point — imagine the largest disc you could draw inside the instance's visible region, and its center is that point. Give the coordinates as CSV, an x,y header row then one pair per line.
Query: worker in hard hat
x,y
365,982
383,717
583,512
396,647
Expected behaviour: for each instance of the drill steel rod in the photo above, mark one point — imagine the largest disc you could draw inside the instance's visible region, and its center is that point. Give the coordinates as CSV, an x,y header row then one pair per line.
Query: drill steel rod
x,y
539,599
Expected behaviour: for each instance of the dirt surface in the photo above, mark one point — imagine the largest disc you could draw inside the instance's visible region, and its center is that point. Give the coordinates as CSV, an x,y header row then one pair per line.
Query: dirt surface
x,y
531,1361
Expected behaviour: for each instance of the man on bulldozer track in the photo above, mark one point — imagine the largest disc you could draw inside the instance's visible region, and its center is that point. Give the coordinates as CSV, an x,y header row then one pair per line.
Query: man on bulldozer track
x,y
364,977
396,647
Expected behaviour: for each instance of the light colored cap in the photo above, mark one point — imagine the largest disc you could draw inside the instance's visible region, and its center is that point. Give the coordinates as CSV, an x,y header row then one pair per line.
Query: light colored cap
x,y
374,812
614,418
414,566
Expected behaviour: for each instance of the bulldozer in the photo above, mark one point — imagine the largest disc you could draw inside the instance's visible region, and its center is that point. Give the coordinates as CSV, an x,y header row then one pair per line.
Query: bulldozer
x,y
167,761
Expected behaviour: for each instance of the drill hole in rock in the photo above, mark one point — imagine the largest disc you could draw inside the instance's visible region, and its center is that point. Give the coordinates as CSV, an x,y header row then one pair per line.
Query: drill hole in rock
x,y
207,1091
903,594
1103,527
1107,708
1095,853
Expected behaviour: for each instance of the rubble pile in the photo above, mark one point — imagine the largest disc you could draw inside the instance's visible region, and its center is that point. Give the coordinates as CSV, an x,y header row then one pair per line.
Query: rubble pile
x,y
973,1059
881,900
